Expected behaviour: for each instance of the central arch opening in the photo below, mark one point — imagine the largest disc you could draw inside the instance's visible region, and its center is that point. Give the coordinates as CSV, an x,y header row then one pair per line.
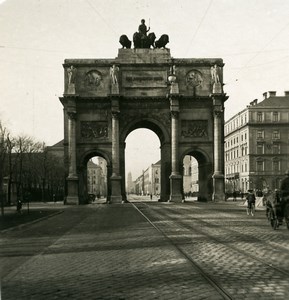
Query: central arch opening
x,y
143,165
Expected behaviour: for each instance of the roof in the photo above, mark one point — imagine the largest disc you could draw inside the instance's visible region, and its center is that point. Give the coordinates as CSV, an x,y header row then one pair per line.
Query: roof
x,y
274,101
58,144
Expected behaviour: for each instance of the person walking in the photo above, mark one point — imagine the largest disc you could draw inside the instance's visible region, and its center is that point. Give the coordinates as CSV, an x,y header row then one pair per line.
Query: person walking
x,y
234,196
251,199
19,206
285,185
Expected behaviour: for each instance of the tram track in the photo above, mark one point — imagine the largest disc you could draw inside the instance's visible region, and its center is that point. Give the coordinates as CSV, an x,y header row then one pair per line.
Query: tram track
x,y
231,246
172,221
211,280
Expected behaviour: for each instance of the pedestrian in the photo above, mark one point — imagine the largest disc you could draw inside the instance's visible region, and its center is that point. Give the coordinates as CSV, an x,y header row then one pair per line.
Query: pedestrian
x,y
234,196
151,196
251,199
19,206
285,185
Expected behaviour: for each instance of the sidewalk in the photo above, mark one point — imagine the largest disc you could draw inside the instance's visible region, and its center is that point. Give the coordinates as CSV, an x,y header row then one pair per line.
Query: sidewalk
x,y
36,211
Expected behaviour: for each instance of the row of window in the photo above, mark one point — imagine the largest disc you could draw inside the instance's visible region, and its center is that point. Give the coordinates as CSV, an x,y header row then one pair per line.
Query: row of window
x,y
275,116
261,148
260,167
275,134
235,140
240,120
236,123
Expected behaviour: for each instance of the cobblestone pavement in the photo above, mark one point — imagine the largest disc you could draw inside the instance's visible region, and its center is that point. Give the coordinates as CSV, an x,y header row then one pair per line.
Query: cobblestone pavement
x,y
104,251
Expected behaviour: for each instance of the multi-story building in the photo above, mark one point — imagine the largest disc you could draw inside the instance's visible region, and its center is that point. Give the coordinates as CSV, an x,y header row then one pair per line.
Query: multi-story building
x,y
190,175
257,144
149,182
129,184
97,177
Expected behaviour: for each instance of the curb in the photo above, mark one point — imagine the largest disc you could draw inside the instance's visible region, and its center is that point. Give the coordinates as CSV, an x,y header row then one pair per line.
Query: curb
x,y
21,226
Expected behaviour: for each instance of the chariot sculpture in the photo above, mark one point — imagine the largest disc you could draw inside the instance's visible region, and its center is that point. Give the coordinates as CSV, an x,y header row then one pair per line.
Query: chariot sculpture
x,y
143,40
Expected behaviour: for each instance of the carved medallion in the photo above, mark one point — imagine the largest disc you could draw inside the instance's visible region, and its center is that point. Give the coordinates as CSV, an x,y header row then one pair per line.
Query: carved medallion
x,y
92,79
194,78
94,129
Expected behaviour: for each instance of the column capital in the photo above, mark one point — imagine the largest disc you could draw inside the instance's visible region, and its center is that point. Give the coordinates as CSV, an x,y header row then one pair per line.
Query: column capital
x,y
175,114
71,115
115,114
218,112
219,99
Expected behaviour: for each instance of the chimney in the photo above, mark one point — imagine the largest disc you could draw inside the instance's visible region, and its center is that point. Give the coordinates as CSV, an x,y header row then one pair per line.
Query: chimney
x,y
255,101
272,94
265,95
286,93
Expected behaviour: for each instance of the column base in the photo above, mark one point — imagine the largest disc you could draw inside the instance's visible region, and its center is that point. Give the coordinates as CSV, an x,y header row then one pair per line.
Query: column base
x,y
72,190
72,200
175,185
116,196
218,187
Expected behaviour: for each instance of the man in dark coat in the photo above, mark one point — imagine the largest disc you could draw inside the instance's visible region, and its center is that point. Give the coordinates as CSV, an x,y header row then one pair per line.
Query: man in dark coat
x,y
285,185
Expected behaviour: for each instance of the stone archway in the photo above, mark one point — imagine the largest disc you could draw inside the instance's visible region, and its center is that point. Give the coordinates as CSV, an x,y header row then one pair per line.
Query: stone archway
x,y
181,100
82,174
161,131
205,172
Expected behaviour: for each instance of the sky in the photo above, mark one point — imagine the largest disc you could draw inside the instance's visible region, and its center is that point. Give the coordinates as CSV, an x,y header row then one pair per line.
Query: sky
x,y
37,35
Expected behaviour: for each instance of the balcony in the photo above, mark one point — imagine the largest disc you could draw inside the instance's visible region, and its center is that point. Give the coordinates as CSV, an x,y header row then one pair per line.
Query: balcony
x,y
233,176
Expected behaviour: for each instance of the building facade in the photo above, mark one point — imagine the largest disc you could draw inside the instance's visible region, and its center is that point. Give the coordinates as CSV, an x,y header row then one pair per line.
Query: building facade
x,y
149,182
97,177
257,144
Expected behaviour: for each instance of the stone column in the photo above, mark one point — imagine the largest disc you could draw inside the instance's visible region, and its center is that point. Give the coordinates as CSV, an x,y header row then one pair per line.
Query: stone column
x,y
72,179
175,142
115,177
115,144
218,176
175,177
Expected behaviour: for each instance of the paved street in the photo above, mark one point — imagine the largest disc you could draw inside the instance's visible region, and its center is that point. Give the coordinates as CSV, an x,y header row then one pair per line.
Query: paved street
x,y
147,250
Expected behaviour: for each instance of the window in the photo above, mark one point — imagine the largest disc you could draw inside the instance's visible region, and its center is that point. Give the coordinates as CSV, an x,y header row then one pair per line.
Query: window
x,y
275,116
260,134
276,134
260,166
259,117
276,166
260,148
276,149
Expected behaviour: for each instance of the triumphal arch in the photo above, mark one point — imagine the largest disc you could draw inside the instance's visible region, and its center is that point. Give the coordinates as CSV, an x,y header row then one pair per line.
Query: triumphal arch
x,y
181,100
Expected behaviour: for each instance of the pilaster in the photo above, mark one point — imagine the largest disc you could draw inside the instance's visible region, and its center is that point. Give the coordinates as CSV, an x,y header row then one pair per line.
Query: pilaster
x,y
218,116
115,178
72,179
175,177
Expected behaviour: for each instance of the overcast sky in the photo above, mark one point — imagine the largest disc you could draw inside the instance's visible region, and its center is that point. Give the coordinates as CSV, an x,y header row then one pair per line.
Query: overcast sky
x,y
37,35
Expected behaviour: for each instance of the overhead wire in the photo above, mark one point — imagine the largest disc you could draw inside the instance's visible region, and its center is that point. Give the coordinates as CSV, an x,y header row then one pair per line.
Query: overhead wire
x,y
261,51
103,19
199,26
